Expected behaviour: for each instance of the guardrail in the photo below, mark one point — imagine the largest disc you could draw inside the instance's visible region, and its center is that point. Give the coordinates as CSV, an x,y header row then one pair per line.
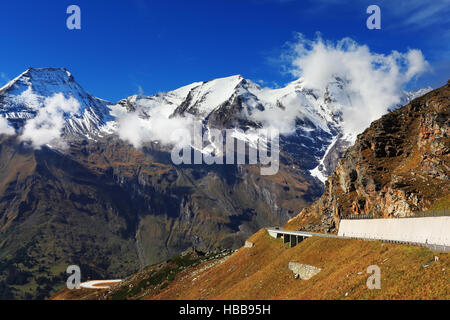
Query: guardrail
x,y
433,247
274,232
417,214
433,213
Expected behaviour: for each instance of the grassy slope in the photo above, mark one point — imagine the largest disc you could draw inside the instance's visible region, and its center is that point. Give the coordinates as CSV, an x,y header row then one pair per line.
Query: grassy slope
x,y
262,272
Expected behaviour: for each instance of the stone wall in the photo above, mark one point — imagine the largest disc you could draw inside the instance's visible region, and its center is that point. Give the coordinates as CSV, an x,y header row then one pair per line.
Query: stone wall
x,y
303,271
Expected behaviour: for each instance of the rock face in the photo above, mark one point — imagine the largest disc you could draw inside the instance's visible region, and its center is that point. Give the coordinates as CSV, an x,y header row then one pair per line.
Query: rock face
x,y
303,271
399,165
22,98
248,244
112,208
309,120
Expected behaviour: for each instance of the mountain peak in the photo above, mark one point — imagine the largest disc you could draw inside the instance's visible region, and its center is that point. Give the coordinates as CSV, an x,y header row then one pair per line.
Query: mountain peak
x,y
378,175
38,73
23,97
41,80
233,77
46,70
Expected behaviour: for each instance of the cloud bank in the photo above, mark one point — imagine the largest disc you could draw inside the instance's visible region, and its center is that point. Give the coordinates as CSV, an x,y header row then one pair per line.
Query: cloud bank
x,y
46,127
376,81
151,122
4,127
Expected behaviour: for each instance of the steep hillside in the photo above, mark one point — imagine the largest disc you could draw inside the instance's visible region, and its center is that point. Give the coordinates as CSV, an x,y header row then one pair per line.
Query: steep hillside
x,y
107,206
83,192
309,120
112,209
54,212
262,272
399,165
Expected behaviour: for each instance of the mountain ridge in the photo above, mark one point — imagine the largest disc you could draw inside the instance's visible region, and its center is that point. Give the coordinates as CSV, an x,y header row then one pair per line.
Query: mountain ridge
x,y
22,98
398,166
309,120
111,207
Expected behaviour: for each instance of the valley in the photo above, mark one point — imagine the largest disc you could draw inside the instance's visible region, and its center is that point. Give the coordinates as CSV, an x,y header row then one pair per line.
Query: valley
x,y
105,194
338,267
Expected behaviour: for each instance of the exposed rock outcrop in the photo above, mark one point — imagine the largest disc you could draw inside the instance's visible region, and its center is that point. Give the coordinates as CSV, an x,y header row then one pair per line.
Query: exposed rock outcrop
x,y
303,271
398,166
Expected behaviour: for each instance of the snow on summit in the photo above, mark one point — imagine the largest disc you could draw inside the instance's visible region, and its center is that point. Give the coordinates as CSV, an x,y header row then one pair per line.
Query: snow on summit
x,y
310,120
25,96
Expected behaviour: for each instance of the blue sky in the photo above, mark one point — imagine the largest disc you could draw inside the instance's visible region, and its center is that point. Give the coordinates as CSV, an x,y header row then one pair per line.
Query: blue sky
x,y
126,46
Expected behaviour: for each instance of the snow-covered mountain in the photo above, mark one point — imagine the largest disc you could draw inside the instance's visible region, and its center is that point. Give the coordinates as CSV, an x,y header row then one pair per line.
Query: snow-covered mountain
x,y
310,120
22,98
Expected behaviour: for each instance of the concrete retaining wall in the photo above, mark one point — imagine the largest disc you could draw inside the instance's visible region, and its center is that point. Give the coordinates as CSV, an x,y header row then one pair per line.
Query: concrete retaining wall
x,y
429,230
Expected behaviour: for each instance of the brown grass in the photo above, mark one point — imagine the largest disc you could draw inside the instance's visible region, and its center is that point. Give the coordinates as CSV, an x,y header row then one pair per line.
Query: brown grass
x,y
301,220
262,272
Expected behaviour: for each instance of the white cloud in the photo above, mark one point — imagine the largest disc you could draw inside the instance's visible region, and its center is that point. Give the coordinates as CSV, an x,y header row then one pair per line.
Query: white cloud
x,y
4,127
46,127
155,125
133,129
375,80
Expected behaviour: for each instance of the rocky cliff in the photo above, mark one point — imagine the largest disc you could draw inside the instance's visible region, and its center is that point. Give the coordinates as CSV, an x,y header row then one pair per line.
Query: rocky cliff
x,y
398,166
